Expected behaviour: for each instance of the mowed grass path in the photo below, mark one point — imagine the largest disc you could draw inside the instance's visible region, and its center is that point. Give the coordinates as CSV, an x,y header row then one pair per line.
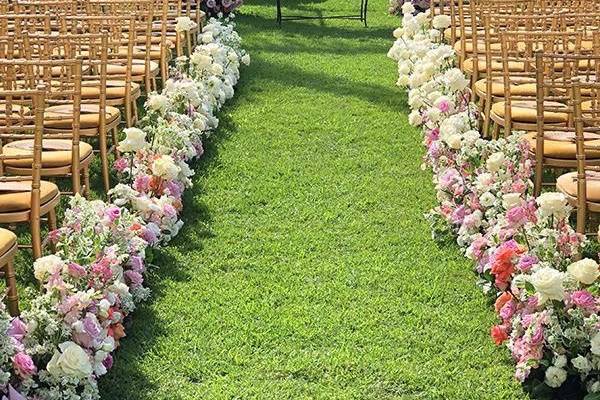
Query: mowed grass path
x,y
305,269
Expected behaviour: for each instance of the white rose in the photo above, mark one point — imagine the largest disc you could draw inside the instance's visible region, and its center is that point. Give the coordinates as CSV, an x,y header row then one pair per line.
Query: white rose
x,y
509,200
470,137
48,265
487,199
441,21
158,102
552,203
560,361
585,271
414,118
398,32
548,283
408,8
456,80
555,376
495,161
582,364
246,59
165,167
184,24
71,360
206,37
454,141
135,139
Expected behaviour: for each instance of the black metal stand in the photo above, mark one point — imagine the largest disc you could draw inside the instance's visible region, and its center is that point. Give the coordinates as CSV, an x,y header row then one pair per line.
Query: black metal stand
x,y
362,17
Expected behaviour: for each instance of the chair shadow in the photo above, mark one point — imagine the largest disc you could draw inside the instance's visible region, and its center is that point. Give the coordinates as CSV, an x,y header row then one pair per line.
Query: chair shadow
x,y
127,379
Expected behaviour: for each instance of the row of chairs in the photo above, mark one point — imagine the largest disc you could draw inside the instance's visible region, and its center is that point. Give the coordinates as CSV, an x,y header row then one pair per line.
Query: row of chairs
x,y
534,67
73,73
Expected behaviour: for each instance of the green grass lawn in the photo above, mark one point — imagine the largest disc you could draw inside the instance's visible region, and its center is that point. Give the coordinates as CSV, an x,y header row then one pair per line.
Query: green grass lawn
x,y
305,269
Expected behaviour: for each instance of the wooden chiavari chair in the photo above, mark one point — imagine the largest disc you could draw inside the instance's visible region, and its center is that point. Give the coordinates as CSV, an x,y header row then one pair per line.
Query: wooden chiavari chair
x,y
519,112
12,122
582,188
63,155
25,199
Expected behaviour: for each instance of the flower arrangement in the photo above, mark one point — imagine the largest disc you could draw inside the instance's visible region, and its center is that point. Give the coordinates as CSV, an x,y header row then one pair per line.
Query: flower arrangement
x,y
526,253
59,347
220,8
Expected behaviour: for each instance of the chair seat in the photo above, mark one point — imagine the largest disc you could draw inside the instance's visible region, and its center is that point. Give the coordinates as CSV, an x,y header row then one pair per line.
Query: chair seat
x,y
114,89
139,52
12,201
480,46
7,241
16,110
519,87
562,149
468,32
62,116
56,152
138,68
525,111
567,184
496,65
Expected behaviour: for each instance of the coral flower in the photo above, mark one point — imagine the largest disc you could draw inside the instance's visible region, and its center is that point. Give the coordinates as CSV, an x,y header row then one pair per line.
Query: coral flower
x,y
499,335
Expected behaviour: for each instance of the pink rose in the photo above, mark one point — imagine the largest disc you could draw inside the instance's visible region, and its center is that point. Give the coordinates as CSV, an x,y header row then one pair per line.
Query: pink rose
x,y
24,365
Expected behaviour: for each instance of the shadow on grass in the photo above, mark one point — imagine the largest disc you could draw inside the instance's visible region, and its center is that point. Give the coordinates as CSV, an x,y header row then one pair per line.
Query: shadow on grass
x,y
127,379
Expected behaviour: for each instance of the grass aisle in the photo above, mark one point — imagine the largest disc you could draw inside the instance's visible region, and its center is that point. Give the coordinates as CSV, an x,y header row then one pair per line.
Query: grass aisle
x,y
306,270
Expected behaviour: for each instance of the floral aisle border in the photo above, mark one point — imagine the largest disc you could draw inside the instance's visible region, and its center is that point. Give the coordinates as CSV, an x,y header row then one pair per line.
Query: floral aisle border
x,y
523,248
61,345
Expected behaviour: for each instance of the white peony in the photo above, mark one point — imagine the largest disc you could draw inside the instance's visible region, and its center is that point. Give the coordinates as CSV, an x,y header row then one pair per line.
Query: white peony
x,y
165,167
585,271
552,203
398,32
48,265
560,361
135,139
548,283
555,376
441,21
71,361
495,161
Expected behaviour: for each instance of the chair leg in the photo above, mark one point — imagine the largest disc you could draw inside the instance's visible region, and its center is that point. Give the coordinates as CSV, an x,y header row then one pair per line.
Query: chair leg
x,y
495,130
115,140
86,182
128,114
104,161
12,297
52,225
36,236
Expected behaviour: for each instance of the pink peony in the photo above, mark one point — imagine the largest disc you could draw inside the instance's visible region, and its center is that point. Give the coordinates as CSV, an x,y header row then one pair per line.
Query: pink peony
x,y
76,270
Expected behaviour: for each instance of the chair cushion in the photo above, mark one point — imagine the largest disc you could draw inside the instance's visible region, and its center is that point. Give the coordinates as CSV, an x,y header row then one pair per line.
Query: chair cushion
x,y
16,110
513,66
521,86
89,116
7,240
114,89
525,111
480,46
567,183
138,68
562,149
53,154
11,201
